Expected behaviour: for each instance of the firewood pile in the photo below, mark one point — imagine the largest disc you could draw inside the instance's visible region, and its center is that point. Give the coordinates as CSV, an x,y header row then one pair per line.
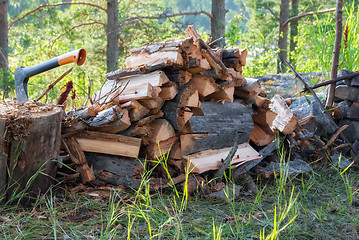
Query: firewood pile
x,y
180,99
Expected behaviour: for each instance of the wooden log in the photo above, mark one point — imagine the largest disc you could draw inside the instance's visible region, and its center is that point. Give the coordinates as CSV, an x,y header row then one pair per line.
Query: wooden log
x,y
161,130
193,143
280,117
197,65
169,56
181,77
109,144
232,63
116,126
133,88
136,111
169,91
241,54
174,110
220,117
262,135
223,95
248,90
157,150
204,85
30,140
78,158
185,44
212,159
155,103
119,165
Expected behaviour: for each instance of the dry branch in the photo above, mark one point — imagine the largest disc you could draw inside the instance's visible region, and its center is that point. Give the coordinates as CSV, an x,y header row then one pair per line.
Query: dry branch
x,y
54,5
53,84
305,15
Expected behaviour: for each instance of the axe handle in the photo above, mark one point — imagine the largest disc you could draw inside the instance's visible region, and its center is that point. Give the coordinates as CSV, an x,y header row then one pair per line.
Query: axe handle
x,y
77,56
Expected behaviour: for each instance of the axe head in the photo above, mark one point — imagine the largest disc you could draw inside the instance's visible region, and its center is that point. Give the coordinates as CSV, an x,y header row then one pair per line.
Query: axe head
x,y
21,85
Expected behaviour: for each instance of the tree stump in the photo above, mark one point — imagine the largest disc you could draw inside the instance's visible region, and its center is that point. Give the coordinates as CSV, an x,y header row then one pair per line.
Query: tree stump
x,y
30,140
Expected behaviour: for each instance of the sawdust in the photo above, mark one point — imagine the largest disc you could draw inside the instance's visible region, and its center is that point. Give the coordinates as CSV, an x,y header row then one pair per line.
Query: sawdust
x,y
18,117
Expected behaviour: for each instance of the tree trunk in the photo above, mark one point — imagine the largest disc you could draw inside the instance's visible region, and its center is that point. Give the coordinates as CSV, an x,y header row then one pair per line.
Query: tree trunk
x,y
112,35
336,52
283,35
3,40
293,31
218,21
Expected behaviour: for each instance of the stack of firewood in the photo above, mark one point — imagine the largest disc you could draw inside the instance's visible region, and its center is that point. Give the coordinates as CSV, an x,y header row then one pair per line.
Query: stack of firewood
x,y
178,98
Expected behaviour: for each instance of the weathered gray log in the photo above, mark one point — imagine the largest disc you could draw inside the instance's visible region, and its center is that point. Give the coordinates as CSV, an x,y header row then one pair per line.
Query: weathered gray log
x,y
220,117
264,152
215,141
174,110
121,166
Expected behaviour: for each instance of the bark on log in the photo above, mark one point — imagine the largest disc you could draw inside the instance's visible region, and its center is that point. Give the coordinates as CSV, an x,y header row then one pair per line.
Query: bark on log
x,y
30,141
220,117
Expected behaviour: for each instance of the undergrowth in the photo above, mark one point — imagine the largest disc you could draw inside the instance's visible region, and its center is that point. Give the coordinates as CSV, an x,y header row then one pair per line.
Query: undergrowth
x,y
324,203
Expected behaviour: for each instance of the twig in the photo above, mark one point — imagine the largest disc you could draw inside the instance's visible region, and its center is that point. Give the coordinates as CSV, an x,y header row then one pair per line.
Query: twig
x,y
72,28
325,112
335,136
161,16
54,83
350,76
219,173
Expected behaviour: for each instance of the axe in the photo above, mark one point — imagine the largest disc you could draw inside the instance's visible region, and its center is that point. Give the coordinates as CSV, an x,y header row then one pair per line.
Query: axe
x,y
23,74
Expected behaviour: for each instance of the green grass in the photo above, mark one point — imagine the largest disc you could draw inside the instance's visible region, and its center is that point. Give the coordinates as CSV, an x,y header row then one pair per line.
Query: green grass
x,y
315,206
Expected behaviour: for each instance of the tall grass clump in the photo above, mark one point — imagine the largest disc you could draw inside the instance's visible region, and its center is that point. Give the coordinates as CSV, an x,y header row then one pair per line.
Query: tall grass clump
x,y
316,42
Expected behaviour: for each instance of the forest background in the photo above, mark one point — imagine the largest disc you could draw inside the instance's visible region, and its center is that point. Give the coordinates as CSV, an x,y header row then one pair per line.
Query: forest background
x,y
42,29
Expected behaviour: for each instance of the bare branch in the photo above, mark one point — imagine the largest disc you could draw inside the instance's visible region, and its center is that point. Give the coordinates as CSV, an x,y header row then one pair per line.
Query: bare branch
x,y
54,5
305,15
72,28
51,86
161,16
274,14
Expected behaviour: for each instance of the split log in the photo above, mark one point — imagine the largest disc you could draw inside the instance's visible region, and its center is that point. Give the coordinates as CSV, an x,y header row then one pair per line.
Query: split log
x,y
223,95
157,150
111,120
134,88
169,91
212,159
169,55
241,54
185,44
262,135
30,140
161,130
280,117
197,65
78,158
248,90
136,110
204,85
181,77
174,110
109,144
